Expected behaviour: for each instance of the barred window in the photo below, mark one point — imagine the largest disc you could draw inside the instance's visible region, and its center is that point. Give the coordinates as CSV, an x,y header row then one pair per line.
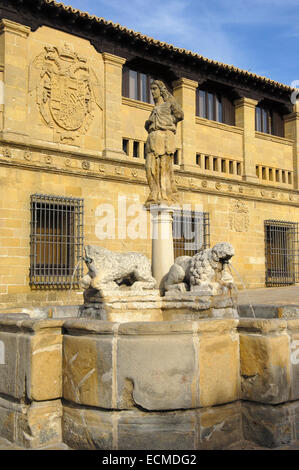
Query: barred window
x,y
56,241
191,232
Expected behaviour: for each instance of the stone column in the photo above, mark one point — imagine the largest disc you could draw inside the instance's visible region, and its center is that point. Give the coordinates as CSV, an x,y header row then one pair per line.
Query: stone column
x,y
13,77
291,131
245,118
112,104
184,91
162,241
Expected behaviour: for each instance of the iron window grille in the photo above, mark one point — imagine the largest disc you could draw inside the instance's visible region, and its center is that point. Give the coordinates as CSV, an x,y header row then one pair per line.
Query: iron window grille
x,y
281,252
56,241
191,232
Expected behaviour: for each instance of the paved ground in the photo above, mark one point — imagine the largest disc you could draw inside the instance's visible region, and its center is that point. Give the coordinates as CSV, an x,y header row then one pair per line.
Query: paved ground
x,y
288,295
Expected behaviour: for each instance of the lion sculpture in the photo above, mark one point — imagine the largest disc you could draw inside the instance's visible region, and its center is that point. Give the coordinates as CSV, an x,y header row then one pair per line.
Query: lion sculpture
x,y
206,271
108,270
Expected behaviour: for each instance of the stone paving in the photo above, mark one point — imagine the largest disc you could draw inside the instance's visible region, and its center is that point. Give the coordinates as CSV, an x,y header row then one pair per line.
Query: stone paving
x,y
288,295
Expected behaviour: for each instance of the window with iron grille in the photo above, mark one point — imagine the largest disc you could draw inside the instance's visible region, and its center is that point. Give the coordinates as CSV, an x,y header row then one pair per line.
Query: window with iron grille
x,y
281,252
56,241
191,232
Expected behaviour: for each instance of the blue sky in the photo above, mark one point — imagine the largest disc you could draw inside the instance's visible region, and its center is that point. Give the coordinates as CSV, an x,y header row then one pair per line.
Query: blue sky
x,y
261,36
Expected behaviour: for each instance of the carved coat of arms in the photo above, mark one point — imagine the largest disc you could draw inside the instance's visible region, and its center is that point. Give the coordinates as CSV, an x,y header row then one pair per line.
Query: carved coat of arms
x,y
239,216
64,93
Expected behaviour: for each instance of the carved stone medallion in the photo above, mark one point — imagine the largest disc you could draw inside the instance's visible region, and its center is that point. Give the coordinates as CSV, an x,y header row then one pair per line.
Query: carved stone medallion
x,y
239,216
64,92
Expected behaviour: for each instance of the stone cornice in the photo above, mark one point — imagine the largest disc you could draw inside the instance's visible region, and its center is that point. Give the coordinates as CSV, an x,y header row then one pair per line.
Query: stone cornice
x,y
274,138
113,59
7,26
137,104
185,83
245,102
219,125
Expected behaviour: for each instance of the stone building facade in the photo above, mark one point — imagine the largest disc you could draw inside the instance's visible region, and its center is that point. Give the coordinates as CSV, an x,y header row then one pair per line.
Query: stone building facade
x,y
74,100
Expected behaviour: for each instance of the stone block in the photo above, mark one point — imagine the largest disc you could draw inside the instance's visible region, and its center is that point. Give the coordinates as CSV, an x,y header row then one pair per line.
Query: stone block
x,y
87,429
31,426
219,366
293,331
265,362
268,425
220,426
32,358
87,370
157,372
13,370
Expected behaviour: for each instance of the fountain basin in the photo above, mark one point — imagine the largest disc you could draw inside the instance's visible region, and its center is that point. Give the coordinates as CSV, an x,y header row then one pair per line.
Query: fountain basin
x,y
149,385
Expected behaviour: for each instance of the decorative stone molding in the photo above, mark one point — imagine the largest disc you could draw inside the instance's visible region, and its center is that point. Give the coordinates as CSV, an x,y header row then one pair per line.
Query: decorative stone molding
x,y
7,26
186,83
85,165
113,59
7,152
239,216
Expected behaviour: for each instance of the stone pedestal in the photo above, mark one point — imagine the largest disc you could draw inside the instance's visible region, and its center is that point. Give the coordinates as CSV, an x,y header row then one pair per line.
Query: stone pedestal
x,y
162,240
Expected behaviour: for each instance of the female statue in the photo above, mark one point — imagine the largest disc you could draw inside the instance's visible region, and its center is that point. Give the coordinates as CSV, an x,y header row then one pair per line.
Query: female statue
x,y
160,145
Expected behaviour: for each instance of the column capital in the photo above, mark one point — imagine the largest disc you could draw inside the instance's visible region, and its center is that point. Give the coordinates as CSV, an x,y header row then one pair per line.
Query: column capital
x,y
7,26
113,59
245,102
184,83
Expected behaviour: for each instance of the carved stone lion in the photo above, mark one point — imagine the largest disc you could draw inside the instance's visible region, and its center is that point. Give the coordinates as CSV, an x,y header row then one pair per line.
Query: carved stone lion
x,y
206,271
109,270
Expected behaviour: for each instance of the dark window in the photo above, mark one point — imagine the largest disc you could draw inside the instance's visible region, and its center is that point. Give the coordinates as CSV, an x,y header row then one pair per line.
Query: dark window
x,y
135,149
191,232
136,85
213,106
126,146
56,241
269,121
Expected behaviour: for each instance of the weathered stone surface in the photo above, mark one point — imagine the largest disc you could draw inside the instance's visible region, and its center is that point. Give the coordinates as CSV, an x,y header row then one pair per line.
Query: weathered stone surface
x,y
32,359
293,332
14,370
87,429
88,370
219,367
152,365
265,361
157,372
220,426
205,428
269,426
31,426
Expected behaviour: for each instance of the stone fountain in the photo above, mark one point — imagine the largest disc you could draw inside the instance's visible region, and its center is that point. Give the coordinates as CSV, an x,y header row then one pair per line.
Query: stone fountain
x,y
157,358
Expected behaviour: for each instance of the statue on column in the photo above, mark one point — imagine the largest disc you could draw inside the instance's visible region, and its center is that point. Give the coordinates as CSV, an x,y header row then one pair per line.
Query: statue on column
x,y
160,146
